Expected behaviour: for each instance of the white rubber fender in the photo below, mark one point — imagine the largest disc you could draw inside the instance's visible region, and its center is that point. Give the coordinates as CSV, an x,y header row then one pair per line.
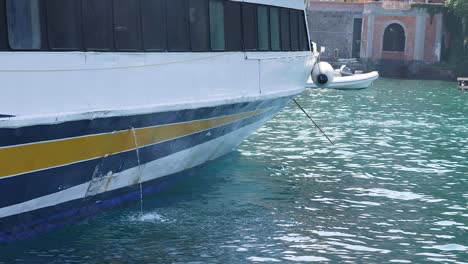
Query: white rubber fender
x,y
323,74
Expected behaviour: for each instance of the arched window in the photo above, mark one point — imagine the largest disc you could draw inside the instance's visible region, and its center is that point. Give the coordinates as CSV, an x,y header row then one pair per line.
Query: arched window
x,y
394,38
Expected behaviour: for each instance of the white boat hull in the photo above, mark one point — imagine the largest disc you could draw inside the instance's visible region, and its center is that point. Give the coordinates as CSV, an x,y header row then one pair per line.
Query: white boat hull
x,y
83,132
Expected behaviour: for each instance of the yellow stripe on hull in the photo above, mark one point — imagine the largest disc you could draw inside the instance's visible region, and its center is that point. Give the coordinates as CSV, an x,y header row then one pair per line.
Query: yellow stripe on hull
x,y
38,156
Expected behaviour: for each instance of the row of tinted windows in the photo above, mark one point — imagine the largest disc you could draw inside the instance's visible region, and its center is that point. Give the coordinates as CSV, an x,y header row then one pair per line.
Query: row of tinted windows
x,y
149,25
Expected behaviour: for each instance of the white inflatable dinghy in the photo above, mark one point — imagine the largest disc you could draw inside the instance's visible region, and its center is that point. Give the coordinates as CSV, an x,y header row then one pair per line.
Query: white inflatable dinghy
x,y
352,82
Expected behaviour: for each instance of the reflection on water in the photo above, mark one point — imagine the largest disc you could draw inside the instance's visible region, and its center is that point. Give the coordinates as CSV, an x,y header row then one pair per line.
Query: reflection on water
x,y
393,190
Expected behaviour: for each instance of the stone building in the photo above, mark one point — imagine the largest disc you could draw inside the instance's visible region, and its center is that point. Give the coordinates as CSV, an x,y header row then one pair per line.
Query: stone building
x,y
386,35
336,26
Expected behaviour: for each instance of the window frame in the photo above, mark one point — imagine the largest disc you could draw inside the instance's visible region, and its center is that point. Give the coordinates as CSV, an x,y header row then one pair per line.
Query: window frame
x,y
278,9
304,44
285,36
186,24
42,30
254,26
163,26
111,38
79,30
4,43
268,32
207,24
139,28
293,18
224,26
229,45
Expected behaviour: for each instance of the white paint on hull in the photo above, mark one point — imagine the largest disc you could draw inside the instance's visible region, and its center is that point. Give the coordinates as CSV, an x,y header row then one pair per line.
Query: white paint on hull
x,y
48,86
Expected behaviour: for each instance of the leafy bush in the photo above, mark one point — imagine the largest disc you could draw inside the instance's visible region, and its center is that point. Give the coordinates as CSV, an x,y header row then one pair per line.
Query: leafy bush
x,y
455,19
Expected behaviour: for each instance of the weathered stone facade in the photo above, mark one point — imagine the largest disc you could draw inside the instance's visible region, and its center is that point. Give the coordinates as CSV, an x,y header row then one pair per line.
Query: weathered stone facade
x,y
423,34
331,25
334,29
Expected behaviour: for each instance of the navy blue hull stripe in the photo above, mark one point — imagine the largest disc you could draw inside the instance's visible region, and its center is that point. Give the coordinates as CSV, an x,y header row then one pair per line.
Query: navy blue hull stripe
x,y
24,135
29,186
25,225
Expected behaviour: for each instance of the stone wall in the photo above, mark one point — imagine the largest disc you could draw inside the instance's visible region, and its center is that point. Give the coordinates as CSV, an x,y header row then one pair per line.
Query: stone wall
x,y
333,29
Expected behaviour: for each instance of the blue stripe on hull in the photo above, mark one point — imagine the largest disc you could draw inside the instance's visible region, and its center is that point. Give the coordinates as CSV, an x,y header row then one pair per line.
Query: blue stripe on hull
x,y
38,133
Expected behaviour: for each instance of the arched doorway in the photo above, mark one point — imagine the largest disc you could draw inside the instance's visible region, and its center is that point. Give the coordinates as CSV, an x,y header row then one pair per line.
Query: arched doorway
x,y
394,38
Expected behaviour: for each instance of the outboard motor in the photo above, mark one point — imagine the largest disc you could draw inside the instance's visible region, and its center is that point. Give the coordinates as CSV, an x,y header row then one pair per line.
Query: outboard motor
x,y
323,74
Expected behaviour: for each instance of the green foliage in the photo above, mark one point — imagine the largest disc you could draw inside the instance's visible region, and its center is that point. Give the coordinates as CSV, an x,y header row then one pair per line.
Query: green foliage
x,y
432,9
455,16
458,7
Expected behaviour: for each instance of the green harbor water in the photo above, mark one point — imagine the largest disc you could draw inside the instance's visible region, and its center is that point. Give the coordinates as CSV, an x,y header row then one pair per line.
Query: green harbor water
x,y
394,189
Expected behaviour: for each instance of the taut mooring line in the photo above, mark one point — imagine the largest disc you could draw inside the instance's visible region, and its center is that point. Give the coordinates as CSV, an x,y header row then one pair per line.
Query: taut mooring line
x,y
313,121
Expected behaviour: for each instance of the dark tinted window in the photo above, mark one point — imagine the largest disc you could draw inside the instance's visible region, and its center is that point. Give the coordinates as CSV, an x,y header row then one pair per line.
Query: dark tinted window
x,y
303,38
24,30
153,24
199,28
3,27
127,25
63,23
394,38
217,25
157,25
249,16
275,29
263,25
294,27
177,26
233,26
285,32
357,32
97,16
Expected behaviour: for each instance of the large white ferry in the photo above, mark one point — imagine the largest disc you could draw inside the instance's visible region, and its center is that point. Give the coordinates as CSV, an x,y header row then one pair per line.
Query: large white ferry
x,y
102,99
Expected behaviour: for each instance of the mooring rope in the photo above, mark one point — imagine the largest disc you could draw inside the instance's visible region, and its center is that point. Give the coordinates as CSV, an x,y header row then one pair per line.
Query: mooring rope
x,y
313,121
